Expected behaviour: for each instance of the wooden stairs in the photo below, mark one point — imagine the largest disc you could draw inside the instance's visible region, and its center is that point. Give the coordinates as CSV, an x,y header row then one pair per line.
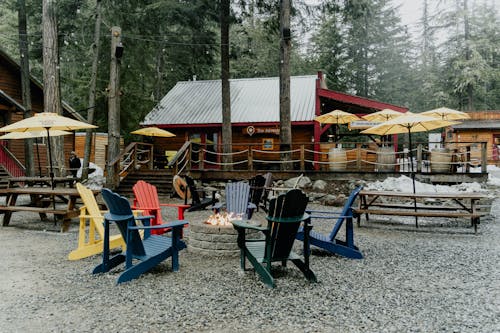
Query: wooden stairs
x,y
162,179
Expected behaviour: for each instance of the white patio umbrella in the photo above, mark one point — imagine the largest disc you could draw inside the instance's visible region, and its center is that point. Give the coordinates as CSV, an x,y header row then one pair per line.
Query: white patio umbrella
x,y
336,117
408,123
33,135
47,121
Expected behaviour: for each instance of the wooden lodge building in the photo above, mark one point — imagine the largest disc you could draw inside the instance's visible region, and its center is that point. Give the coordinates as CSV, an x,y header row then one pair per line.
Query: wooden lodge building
x,y
11,110
484,126
193,111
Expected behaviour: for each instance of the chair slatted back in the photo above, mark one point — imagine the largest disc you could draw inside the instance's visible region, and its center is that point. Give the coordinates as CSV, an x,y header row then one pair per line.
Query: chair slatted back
x,y
256,189
346,211
121,213
195,197
289,208
146,195
91,206
237,195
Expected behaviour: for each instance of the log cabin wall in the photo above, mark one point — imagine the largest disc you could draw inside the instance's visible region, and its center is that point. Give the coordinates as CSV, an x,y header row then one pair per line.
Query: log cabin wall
x,y
98,151
487,135
265,138
10,84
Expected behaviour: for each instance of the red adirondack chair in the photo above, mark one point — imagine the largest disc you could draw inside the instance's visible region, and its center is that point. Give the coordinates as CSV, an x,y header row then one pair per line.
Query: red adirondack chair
x,y
146,199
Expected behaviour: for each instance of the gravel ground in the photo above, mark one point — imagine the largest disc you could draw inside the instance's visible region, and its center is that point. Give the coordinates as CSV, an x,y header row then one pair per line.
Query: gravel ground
x,y
440,278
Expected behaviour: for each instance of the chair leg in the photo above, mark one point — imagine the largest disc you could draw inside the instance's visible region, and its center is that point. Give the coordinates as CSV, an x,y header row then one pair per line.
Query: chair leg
x,y
305,270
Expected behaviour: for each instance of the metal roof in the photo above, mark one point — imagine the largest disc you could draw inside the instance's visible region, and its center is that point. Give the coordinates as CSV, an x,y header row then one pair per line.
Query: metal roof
x,y
252,101
478,124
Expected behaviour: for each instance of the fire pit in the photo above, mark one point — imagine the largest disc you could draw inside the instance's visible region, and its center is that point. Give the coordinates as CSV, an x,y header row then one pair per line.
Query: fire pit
x,y
216,236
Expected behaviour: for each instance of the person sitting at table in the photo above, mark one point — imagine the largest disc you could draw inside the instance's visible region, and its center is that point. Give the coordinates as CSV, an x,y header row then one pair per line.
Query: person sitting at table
x,y
74,163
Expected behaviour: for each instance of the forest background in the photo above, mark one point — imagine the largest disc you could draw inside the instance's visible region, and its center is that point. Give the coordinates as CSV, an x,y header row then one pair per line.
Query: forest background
x,y
450,58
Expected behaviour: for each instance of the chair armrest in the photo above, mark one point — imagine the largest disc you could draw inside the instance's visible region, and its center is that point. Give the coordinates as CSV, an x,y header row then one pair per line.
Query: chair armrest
x,y
245,225
217,206
174,224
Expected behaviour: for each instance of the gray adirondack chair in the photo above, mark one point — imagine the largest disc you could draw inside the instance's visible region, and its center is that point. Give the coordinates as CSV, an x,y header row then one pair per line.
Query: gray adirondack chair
x,y
237,200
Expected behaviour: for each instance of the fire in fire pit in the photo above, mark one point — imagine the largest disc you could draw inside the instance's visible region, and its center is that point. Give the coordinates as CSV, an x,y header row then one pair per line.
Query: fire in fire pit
x,y
223,218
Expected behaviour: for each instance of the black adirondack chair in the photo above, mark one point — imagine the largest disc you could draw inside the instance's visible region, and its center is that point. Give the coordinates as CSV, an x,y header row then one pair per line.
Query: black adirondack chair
x,y
329,242
256,189
286,213
199,199
141,255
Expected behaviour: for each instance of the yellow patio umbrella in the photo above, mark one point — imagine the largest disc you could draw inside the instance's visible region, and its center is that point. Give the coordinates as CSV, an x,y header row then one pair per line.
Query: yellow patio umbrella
x,y
47,121
336,117
33,135
446,114
153,131
408,123
382,115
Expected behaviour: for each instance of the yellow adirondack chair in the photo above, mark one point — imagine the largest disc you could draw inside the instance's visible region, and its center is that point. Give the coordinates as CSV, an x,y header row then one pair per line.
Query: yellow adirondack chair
x,y
90,241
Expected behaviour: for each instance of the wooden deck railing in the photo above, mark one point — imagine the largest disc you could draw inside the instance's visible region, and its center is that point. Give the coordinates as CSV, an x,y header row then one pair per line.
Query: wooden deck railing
x,y
10,163
322,156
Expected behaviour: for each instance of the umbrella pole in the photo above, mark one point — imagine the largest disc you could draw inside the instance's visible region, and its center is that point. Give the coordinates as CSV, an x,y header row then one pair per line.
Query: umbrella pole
x,y
51,172
412,176
38,158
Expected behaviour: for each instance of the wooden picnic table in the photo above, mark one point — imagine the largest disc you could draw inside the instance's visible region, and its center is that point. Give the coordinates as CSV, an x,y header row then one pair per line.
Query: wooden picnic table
x,y
40,181
42,202
464,205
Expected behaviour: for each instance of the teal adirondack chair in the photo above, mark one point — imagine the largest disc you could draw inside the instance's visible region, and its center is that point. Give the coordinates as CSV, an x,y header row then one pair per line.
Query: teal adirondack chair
x,y
286,213
237,200
141,254
344,248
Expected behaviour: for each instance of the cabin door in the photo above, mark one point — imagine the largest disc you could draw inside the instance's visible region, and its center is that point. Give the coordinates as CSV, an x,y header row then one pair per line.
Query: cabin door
x,y
205,153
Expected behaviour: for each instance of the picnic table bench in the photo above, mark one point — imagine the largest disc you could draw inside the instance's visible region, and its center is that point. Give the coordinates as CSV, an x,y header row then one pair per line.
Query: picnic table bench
x,y
42,199
40,181
409,204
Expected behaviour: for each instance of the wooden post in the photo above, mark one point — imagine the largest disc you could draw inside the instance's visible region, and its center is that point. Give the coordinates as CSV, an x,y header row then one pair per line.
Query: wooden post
x,y
419,157
114,107
151,158
467,159
302,158
250,158
358,156
484,157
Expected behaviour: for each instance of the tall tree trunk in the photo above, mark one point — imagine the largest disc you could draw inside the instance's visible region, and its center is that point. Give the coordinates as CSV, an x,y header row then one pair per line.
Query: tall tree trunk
x,y
113,109
51,88
470,90
91,100
285,121
158,91
25,84
227,137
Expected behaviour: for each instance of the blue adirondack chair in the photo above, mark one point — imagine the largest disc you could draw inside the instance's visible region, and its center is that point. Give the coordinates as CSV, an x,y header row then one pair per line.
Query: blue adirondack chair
x,y
286,213
330,243
147,252
237,200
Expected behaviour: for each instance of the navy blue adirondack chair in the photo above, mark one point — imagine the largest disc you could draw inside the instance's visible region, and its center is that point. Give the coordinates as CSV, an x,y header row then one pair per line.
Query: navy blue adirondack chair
x,y
329,242
286,213
147,252
237,200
